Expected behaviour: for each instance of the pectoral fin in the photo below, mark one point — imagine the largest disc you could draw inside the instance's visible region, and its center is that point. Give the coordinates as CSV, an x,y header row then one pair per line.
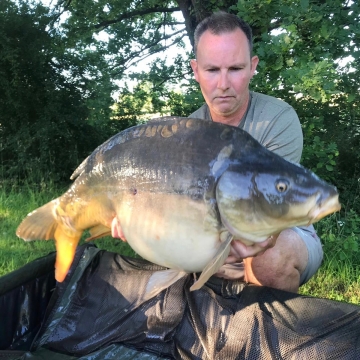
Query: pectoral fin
x,y
98,232
214,265
161,280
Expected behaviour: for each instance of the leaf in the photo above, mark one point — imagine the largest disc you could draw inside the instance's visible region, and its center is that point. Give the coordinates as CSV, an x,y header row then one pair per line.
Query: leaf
x,y
304,4
324,31
350,97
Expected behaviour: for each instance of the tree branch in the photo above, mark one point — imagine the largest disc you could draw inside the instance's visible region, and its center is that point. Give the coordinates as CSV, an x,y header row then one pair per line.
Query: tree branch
x,y
126,63
129,15
65,4
162,48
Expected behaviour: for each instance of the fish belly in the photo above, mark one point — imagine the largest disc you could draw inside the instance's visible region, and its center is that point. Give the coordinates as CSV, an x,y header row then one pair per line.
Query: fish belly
x,y
170,230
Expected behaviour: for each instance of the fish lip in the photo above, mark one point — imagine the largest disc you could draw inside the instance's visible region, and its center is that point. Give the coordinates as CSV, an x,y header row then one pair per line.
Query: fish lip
x,y
321,210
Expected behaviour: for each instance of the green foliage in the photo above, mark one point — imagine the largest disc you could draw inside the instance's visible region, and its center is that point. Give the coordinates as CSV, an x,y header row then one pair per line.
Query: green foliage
x,y
340,235
299,43
320,153
48,120
149,100
123,31
186,102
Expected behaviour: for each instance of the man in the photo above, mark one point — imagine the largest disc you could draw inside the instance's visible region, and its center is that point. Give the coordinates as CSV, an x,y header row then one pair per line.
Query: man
x,y
223,68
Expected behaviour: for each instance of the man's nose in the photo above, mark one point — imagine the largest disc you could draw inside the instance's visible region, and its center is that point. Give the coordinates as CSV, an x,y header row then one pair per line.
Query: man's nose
x,y
223,82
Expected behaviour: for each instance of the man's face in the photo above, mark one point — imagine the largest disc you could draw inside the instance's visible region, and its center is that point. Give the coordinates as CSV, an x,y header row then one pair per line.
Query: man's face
x,y
223,69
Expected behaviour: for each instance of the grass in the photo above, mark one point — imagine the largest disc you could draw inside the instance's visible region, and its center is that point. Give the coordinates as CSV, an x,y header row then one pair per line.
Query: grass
x,y
336,279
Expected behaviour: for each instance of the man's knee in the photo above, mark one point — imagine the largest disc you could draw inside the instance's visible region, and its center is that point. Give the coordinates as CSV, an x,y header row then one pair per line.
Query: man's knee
x,y
282,266
315,252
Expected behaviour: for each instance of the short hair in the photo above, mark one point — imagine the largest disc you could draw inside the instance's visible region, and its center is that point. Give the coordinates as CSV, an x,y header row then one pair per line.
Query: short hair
x,y
222,22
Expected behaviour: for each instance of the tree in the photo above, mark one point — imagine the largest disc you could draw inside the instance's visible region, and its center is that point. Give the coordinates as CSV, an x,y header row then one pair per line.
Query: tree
x,y
46,125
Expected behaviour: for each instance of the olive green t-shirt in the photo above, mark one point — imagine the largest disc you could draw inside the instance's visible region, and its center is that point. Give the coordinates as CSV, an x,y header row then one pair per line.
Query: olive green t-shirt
x,y
272,122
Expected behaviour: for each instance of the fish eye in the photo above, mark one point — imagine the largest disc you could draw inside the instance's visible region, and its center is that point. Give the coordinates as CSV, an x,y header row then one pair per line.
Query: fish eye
x,y
282,185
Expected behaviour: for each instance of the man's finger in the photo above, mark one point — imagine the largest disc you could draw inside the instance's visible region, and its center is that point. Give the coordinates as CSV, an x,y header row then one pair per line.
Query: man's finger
x,y
241,251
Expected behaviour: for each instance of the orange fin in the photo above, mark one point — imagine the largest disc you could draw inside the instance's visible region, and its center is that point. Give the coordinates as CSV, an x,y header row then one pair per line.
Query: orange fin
x,y
98,232
66,243
43,224
39,224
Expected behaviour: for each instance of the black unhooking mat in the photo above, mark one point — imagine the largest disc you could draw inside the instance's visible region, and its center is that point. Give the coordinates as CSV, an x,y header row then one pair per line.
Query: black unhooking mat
x,y
98,313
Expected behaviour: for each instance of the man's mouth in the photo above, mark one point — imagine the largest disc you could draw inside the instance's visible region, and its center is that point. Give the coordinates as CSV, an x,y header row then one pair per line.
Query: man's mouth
x,y
225,97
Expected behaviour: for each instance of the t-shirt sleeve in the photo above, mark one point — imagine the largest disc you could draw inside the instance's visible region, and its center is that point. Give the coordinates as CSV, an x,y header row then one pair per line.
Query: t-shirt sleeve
x,y
275,124
283,135
201,113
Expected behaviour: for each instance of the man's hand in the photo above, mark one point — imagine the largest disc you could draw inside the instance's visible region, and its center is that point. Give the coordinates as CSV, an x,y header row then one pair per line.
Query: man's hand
x,y
234,269
239,250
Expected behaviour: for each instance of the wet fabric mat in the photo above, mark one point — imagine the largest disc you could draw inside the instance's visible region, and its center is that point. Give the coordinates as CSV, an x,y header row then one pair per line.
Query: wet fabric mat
x,y
98,313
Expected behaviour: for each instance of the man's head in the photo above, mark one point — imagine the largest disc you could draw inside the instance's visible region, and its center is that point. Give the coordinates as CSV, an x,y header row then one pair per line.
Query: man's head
x,y
224,66
222,22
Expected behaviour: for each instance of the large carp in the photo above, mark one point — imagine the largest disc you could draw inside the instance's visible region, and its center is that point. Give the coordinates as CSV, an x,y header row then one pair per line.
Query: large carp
x,y
179,190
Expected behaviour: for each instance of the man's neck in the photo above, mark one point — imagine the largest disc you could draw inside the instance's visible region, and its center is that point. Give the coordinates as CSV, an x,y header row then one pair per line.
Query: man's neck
x,y
233,120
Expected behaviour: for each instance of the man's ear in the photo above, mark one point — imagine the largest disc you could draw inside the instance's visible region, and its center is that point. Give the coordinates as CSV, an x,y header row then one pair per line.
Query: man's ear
x,y
254,62
194,66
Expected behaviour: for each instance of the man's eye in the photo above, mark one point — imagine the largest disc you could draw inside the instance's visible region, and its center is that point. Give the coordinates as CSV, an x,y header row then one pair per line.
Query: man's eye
x,y
212,70
236,69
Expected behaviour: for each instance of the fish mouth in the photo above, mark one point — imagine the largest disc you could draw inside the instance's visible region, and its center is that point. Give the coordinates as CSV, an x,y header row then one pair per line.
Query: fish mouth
x,y
321,210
